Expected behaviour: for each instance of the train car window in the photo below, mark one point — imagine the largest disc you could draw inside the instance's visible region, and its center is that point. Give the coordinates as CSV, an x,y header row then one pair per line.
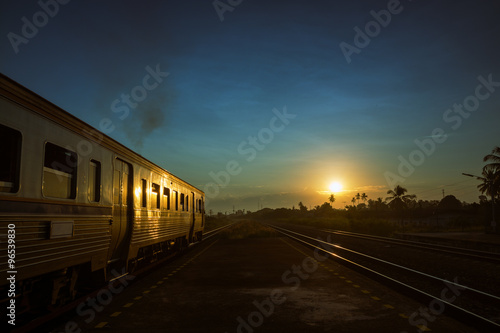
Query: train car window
x,y
155,196
182,201
94,181
144,201
166,198
59,172
176,195
10,150
187,203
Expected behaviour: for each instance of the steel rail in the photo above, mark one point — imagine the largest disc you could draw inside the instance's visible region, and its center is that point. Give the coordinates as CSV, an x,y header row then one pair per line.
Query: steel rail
x,y
211,233
472,315
476,254
399,266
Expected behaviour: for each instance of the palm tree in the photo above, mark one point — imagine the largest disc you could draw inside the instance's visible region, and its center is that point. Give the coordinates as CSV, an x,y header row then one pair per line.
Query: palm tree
x,y
494,157
490,186
399,200
358,196
331,198
364,197
490,183
353,201
491,179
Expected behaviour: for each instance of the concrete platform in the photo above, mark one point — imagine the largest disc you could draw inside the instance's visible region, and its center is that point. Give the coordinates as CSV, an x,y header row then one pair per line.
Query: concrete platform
x,y
256,285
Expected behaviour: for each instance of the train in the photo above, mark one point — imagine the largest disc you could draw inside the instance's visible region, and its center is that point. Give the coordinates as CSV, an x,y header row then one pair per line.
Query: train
x,y
76,206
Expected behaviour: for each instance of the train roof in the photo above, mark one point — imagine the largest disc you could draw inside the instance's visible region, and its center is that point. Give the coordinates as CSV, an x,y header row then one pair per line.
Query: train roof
x,y
21,95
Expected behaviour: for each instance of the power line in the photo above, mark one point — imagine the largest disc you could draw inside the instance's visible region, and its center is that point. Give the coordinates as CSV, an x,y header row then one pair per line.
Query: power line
x,y
441,187
461,191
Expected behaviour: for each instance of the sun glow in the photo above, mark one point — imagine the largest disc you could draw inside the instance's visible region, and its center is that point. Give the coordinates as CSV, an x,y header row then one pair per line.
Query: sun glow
x,y
335,187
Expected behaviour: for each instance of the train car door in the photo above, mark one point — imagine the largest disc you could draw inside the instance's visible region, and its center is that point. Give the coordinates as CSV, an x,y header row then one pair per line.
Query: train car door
x,y
122,211
193,220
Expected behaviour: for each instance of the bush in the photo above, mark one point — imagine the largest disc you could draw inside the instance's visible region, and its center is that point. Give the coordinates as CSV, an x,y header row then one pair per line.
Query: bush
x,y
214,222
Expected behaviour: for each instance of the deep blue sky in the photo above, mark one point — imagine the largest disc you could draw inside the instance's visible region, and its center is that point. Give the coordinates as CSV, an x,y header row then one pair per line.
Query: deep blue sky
x,y
352,119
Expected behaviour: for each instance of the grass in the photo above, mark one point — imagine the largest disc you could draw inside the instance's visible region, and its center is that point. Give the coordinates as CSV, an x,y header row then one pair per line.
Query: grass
x,y
366,225
213,222
373,226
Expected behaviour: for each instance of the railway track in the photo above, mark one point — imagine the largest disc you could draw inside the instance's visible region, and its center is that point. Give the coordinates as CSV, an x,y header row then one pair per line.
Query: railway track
x,y
476,307
467,253
212,233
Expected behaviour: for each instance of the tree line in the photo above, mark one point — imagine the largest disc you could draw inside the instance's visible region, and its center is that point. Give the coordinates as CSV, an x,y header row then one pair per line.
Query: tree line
x,y
399,202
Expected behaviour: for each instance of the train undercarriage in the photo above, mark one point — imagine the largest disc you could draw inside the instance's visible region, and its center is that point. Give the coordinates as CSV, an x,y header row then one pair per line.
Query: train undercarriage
x,y
45,293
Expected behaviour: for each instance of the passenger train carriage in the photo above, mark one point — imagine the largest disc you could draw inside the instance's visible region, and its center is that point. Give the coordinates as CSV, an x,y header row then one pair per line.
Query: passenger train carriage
x,y
81,204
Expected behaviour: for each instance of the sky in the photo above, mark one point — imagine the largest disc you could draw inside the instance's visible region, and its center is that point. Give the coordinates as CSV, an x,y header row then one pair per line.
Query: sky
x,y
266,103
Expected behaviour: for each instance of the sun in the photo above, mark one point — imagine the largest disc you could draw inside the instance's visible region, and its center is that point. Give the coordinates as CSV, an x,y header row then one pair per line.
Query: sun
x,y
335,187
